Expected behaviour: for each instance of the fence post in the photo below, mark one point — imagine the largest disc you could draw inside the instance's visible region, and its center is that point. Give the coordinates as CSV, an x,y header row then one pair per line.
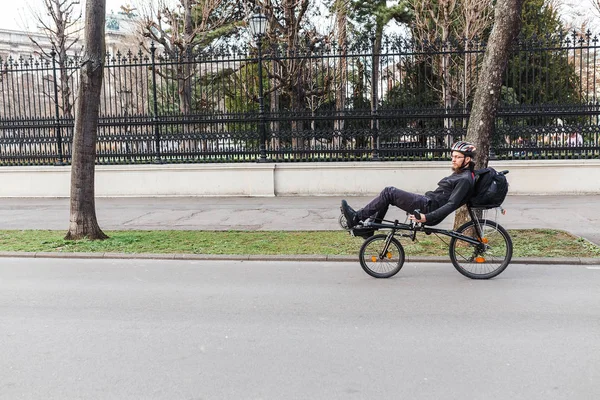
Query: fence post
x,y
155,118
57,123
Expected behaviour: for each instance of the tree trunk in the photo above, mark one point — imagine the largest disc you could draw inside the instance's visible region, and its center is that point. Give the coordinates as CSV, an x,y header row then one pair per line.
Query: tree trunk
x,y
185,59
507,24
65,86
447,91
377,43
83,223
275,125
341,22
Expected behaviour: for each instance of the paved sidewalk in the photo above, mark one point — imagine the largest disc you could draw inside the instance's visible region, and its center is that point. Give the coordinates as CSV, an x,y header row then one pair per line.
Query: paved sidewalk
x,y
579,215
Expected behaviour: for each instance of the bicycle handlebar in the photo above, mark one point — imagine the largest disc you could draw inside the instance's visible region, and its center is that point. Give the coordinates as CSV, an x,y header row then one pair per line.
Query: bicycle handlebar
x,y
417,214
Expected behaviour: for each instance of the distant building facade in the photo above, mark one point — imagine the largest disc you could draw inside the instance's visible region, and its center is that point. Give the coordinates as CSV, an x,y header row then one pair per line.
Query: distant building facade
x,y
15,44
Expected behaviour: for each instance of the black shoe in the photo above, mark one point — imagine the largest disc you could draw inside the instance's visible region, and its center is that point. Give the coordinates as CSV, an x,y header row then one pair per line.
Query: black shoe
x,y
351,216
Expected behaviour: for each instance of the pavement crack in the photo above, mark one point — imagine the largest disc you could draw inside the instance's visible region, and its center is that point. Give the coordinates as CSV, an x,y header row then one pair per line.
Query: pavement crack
x,y
136,218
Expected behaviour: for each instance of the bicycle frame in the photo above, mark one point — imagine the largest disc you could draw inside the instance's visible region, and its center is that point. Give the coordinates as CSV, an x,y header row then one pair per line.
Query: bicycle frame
x,y
417,227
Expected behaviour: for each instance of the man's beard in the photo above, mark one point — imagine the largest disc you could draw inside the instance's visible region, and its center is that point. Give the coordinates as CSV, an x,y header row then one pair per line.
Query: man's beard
x,y
457,168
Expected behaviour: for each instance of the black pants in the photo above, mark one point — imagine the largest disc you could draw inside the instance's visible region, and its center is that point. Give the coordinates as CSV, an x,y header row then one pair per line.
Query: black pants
x,y
378,207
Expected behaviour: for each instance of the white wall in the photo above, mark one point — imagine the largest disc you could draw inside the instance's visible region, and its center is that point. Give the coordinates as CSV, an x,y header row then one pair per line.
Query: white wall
x,y
306,179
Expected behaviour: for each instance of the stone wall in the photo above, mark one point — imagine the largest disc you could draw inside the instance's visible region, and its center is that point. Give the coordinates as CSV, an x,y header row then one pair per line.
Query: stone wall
x,y
550,177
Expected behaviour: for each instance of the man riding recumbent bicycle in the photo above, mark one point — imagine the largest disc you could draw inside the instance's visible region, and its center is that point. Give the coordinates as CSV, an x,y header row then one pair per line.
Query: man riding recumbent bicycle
x,y
479,249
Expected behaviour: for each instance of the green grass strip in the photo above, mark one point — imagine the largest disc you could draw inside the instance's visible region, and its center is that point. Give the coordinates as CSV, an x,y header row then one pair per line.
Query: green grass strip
x,y
527,243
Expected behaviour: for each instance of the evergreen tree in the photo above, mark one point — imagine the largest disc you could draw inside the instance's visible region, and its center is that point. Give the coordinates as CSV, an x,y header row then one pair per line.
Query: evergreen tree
x,y
536,75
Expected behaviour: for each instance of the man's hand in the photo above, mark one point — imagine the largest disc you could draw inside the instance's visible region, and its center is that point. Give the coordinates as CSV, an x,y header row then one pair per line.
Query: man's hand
x,y
422,220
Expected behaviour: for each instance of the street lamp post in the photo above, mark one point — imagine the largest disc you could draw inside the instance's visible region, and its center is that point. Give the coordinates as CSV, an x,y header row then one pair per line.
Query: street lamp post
x,y
258,26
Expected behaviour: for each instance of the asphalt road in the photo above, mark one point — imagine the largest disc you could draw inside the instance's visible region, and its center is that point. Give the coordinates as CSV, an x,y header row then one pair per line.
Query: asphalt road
x,y
147,329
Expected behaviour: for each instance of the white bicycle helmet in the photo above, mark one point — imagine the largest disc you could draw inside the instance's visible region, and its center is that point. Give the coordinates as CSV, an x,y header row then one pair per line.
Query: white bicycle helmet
x,y
466,148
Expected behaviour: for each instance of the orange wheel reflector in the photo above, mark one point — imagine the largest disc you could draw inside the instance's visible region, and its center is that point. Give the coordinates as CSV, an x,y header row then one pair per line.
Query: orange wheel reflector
x,y
484,240
389,254
479,259
373,258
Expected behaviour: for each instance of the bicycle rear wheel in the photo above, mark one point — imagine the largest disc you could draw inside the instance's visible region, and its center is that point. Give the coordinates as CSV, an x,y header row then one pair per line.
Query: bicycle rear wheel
x,y
486,260
380,258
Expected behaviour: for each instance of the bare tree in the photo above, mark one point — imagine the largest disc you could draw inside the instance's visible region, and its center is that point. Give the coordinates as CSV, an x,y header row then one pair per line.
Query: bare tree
x,y
376,15
475,19
83,222
340,9
507,24
596,5
62,29
438,21
289,27
179,30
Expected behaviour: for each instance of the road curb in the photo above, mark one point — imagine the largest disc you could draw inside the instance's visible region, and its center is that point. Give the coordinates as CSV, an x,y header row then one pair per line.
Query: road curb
x,y
255,257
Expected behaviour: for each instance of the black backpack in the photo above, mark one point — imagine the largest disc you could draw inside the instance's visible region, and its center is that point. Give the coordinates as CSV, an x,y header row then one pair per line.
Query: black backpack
x,y
490,188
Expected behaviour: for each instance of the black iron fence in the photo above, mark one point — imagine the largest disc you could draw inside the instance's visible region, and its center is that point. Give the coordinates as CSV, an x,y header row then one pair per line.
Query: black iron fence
x,y
339,103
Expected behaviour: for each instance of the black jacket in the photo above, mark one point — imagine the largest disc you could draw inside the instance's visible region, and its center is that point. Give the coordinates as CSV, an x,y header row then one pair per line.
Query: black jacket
x,y
453,191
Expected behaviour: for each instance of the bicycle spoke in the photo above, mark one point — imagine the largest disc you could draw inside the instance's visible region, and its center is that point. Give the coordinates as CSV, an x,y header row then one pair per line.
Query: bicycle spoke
x,y
380,258
486,260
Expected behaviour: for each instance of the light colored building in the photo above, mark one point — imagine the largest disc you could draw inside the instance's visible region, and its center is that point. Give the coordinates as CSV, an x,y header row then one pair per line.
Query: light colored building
x,y
120,35
18,44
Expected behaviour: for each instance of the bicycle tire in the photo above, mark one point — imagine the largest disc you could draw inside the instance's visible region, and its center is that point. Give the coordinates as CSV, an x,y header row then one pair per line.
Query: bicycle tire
x,y
476,264
377,265
343,223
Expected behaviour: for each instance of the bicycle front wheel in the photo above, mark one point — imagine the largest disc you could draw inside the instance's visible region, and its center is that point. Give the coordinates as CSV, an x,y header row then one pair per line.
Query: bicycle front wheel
x,y
486,260
343,223
381,257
